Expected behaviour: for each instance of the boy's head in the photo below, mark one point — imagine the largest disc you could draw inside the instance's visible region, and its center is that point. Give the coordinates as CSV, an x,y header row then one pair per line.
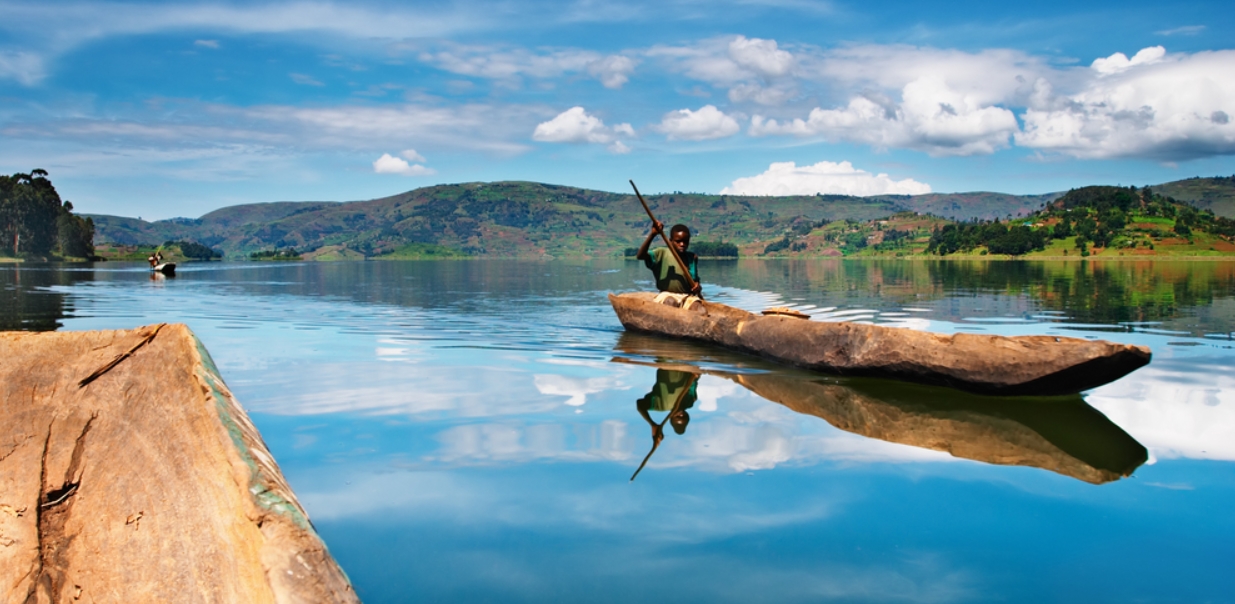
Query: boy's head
x,y
680,236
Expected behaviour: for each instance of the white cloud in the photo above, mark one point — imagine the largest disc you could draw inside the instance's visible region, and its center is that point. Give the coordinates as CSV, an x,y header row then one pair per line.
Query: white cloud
x,y
931,117
706,123
1167,107
760,56
988,77
612,71
1120,62
388,164
729,61
412,156
786,178
207,43
575,125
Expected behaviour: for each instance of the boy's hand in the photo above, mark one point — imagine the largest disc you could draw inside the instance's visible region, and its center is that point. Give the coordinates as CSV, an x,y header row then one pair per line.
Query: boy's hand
x,y
658,227
697,290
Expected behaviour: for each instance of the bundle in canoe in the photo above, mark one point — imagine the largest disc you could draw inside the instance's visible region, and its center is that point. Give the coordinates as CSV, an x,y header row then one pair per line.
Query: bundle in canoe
x,y
985,364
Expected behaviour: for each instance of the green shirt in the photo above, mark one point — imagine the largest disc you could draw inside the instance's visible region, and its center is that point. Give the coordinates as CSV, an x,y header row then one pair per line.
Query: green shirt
x,y
668,274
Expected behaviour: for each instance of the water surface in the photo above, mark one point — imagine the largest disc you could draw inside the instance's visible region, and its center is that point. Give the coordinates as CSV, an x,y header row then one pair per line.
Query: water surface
x,y
467,430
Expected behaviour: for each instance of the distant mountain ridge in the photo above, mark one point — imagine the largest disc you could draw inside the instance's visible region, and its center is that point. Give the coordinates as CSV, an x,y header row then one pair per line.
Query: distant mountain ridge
x,y
532,219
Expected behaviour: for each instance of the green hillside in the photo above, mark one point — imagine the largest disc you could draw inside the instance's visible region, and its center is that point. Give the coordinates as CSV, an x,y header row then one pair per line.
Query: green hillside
x,y
1093,221
975,206
504,219
1215,193
524,219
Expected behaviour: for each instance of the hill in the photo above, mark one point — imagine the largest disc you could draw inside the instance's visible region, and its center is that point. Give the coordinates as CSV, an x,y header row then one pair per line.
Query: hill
x,y
1214,193
525,219
1100,220
215,226
493,219
974,206
531,219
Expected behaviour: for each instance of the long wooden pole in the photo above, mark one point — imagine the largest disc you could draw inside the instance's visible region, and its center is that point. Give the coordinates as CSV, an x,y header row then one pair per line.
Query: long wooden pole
x,y
690,282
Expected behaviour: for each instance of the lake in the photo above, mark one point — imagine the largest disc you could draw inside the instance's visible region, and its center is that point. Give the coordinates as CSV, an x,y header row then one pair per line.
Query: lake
x,y
468,430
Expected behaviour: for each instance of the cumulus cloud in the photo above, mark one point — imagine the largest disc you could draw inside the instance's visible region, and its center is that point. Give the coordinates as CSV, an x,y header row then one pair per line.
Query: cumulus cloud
x,y
786,178
575,125
388,164
1120,62
755,69
612,71
931,117
988,77
412,156
706,123
1159,106
760,56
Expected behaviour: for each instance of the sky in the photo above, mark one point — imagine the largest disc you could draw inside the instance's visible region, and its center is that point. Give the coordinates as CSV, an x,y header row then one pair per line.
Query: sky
x,y
169,109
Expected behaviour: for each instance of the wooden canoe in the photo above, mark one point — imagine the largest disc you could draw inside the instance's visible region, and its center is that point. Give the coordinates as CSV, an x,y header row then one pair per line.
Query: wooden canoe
x,y
984,364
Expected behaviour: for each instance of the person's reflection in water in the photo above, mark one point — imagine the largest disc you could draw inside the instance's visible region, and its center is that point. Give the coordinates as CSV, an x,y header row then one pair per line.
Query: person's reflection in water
x,y
673,392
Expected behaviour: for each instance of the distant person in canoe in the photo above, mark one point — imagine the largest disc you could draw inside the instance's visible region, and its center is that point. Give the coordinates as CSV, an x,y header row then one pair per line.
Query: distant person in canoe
x,y
669,275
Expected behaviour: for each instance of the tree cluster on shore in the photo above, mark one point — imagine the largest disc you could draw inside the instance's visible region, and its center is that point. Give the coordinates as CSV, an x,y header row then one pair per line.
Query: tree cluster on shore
x,y
1098,216
35,223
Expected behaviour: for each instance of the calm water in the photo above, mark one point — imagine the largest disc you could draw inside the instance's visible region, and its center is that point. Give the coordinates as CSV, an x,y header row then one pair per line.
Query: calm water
x,y
467,431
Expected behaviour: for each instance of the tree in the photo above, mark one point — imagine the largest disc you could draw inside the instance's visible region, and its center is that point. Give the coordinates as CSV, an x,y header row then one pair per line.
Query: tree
x,y
34,221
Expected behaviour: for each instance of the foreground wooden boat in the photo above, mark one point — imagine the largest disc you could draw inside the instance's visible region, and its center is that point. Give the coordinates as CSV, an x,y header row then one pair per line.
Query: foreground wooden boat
x,y
984,364
130,473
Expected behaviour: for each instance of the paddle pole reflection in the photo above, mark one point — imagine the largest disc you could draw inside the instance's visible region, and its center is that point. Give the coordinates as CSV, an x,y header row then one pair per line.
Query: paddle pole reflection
x,y
673,392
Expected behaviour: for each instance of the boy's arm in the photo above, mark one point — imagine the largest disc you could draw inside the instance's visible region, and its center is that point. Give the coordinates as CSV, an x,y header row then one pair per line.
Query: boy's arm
x,y
657,228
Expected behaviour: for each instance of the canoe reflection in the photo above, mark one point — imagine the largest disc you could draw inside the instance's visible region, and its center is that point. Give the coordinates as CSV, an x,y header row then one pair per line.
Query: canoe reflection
x,y
1060,434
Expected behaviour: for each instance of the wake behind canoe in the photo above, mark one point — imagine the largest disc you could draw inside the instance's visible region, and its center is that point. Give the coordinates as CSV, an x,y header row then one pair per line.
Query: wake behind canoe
x,y
986,364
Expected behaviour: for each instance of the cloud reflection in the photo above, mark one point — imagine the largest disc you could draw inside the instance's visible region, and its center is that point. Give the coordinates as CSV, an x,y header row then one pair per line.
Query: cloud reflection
x,y
1177,409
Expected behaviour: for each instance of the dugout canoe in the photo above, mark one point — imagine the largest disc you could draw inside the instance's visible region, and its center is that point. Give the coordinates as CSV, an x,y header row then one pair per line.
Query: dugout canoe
x,y
130,473
983,364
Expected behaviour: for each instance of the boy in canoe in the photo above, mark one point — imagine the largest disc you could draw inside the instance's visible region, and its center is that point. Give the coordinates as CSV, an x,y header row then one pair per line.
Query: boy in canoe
x,y
670,277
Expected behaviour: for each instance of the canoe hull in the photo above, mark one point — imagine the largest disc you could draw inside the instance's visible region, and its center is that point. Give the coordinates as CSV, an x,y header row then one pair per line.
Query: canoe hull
x,y
986,364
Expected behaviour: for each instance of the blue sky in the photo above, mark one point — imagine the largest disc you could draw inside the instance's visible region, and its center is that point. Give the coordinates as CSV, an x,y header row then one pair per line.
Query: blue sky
x,y
175,109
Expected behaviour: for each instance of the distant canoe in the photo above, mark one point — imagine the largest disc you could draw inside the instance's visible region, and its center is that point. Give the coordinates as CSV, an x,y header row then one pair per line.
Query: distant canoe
x,y
984,364
167,268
